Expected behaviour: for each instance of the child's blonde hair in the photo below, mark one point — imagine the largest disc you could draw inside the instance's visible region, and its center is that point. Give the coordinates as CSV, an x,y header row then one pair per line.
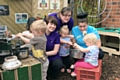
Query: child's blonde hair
x,y
39,25
91,37
64,29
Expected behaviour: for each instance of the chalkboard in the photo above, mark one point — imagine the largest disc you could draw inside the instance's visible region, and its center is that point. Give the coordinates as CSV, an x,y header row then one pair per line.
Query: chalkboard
x,y
4,10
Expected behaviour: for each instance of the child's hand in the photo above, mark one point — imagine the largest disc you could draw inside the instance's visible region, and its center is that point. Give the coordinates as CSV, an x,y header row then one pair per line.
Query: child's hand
x,y
67,46
18,35
8,33
75,45
71,36
70,43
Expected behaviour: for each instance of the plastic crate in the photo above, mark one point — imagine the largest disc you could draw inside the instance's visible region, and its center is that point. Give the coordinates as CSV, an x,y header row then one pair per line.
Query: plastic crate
x,y
89,74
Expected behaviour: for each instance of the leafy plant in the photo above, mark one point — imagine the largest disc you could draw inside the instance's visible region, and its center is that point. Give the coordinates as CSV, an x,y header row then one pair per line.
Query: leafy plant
x,y
93,8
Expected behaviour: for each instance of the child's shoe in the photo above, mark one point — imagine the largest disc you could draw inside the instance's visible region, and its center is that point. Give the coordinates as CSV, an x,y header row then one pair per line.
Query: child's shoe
x,y
73,74
72,66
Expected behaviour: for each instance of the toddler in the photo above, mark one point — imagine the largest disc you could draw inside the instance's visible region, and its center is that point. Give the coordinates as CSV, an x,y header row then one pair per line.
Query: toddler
x,y
91,58
65,48
38,29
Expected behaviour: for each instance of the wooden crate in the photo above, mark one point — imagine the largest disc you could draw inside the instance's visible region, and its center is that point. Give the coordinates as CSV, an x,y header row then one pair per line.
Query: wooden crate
x,y
30,70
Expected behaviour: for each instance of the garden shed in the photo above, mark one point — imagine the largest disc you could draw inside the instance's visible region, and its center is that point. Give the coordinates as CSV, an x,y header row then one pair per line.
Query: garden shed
x,y
29,8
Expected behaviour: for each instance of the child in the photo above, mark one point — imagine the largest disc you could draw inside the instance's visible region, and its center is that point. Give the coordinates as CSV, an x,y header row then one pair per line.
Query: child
x,y
38,29
91,58
65,48
25,33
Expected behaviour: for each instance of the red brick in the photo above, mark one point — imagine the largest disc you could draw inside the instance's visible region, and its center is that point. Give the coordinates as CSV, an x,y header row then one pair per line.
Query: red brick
x,y
108,0
118,16
118,25
116,0
115,6
109,19
108,6
114,17
113,13
117,20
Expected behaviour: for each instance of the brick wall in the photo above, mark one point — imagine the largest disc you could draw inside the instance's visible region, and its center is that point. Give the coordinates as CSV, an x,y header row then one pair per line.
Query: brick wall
x,y
114,17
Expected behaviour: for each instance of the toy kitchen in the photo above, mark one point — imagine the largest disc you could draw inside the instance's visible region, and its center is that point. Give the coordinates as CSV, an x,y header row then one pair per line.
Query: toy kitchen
x,y
15,61
9,55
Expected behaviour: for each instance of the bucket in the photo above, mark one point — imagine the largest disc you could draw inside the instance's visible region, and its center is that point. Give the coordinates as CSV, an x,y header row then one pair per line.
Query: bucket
x,y
75,53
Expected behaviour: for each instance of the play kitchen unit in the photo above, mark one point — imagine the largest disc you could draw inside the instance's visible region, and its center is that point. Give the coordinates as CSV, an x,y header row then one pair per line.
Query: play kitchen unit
x,y
110,40
15,62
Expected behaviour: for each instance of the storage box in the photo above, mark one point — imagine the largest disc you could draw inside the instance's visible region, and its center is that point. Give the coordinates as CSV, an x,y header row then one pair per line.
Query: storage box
x,y
89,74
30,70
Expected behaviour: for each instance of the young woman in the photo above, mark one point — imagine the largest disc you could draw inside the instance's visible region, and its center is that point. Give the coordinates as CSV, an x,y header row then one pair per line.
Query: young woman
x,y
52,48
79,32
84,28
64,18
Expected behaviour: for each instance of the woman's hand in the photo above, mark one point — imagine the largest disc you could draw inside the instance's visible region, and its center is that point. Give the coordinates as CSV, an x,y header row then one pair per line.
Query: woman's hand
x,y
54,51
75,45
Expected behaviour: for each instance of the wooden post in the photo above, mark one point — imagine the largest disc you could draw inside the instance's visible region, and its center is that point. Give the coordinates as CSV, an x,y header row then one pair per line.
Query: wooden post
x,y
72,7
